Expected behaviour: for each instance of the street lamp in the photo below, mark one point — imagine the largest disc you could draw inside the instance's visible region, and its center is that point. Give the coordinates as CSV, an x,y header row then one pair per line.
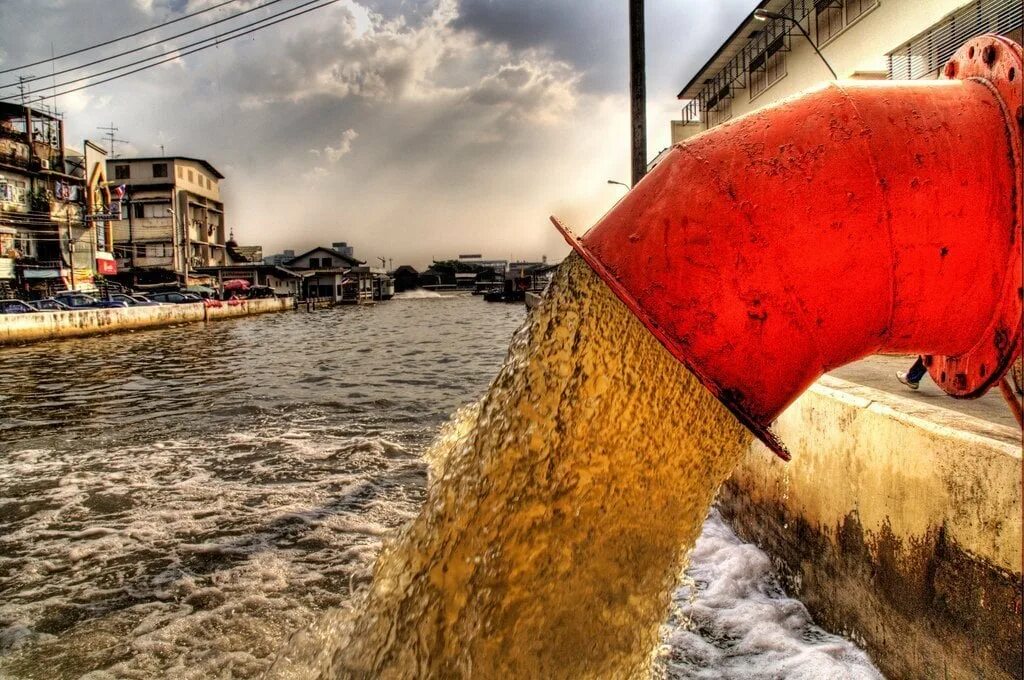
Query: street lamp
x,y
765,15
621,184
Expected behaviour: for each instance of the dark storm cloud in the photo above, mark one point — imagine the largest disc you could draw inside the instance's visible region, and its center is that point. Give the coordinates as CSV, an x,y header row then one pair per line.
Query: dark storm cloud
x,y
590,36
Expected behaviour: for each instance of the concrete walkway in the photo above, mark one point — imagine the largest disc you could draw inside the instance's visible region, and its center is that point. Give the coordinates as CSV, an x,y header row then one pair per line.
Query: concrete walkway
x,y
879,372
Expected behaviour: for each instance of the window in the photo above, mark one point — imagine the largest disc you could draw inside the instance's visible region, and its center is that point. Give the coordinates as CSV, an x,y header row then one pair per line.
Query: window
x,y
209,184
190,176
138,210
719,107
159,169
314,262
179,172
767,68
720,112
832,16
122,172
158,250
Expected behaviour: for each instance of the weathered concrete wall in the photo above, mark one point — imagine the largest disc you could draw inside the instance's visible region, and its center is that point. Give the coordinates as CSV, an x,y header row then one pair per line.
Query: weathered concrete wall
x,y
20,328
898,524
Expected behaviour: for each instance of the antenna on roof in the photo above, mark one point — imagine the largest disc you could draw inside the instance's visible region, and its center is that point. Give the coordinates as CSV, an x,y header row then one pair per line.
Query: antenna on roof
x,y
109,136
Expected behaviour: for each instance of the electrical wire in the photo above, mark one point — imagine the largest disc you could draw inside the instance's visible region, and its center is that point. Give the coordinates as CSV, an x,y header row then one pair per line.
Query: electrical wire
x,y
215,39
178,56
146,46
118,39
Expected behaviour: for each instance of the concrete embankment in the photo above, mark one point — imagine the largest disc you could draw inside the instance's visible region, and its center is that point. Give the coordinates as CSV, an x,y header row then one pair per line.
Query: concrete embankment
x,y
20,328
897,524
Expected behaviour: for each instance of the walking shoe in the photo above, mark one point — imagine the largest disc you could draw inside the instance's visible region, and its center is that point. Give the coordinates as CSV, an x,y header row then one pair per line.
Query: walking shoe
x,y
902,377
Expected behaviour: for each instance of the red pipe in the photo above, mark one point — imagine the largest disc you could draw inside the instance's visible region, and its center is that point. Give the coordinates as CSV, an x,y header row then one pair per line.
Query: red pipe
x,y
857,218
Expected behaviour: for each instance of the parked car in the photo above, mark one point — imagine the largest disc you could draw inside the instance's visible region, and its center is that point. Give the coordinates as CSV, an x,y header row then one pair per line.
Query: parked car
x,y
143,300
175,298
256,292
83,301
48,305
133,301
15,307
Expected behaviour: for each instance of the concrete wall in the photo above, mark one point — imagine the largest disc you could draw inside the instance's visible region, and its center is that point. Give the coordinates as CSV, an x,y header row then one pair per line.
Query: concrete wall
x,y
20,328
898,524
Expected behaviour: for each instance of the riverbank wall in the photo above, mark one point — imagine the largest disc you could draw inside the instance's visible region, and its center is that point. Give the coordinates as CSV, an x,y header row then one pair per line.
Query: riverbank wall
x,y
898,524
24,328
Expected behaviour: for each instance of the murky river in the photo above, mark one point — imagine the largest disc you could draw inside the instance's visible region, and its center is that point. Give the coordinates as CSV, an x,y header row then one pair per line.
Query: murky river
x,y
178,502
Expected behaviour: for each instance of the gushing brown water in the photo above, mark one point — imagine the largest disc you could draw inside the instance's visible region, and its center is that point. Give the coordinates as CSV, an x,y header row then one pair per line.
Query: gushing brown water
x,y
558,516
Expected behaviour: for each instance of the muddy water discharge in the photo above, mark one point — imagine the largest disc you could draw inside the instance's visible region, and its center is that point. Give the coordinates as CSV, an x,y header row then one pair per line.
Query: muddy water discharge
x,y
558,514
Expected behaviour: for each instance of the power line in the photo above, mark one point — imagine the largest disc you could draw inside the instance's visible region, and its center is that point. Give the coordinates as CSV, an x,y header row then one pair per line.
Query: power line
x,y
114,40
215,39
183,54
152,44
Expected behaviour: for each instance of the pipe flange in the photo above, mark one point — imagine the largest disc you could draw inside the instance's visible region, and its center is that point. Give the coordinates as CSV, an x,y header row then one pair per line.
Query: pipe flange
x,y
997,62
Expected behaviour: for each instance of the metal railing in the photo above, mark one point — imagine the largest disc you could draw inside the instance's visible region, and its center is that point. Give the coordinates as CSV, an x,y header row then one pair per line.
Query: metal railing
x,y
734,75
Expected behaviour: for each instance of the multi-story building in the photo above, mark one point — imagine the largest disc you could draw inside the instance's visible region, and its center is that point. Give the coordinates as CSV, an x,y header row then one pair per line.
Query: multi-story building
x,y
766,60
52,237
174,217
280,258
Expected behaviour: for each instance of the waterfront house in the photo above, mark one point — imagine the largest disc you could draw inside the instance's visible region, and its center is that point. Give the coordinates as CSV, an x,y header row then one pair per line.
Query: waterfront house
x,y
406,278
337,275
326,274
51,240
175,218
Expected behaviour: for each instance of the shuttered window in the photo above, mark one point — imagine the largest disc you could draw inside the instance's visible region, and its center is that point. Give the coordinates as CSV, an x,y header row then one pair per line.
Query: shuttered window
x,y
923,56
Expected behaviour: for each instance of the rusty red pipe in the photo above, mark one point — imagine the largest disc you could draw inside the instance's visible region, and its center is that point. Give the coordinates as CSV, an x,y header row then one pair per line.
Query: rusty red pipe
x,y
858,218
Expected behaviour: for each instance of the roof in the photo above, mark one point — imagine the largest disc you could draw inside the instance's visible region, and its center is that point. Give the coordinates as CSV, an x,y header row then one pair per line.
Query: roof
x,y
351,260
206,164
729,48
243,267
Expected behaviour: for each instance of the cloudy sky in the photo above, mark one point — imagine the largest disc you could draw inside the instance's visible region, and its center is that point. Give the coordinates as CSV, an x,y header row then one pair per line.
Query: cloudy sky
x,y
413,129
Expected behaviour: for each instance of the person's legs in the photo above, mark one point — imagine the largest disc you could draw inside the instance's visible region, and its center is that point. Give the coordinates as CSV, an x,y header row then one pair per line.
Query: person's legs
x,y
917,371
912,378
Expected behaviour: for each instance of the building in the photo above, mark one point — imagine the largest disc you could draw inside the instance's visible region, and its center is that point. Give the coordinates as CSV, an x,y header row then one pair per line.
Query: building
x,y
499,267
52,200
174,219
327,275
344,248
284,281
406,278
280,258
762,62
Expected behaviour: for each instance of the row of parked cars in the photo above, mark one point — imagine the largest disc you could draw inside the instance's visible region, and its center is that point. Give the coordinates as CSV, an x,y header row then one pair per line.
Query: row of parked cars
x,y
68,300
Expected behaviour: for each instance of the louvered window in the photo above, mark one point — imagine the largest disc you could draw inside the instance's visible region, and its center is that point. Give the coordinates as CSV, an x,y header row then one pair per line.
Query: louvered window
x,y
923,56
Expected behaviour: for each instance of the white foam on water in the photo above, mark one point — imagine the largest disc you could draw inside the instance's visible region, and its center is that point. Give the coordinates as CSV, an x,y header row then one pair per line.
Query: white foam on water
x,y
732,621
199,558
419,294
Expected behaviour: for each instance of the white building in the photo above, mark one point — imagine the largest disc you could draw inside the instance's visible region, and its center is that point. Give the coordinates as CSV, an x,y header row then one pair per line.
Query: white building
x,y
764,61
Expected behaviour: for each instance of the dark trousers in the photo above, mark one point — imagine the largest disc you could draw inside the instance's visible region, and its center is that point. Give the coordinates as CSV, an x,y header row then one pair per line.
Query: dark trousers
x,y
916,371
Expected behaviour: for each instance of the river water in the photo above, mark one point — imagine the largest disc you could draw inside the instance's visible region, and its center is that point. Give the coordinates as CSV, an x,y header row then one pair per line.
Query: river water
x,y
179,502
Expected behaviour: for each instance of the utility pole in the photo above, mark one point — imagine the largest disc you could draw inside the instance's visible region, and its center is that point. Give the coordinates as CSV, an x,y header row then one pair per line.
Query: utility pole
x,y
131,230
21,87
71,247
637,90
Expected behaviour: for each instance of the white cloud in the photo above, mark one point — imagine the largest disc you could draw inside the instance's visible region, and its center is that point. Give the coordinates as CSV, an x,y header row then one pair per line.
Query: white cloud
x,y
334,153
